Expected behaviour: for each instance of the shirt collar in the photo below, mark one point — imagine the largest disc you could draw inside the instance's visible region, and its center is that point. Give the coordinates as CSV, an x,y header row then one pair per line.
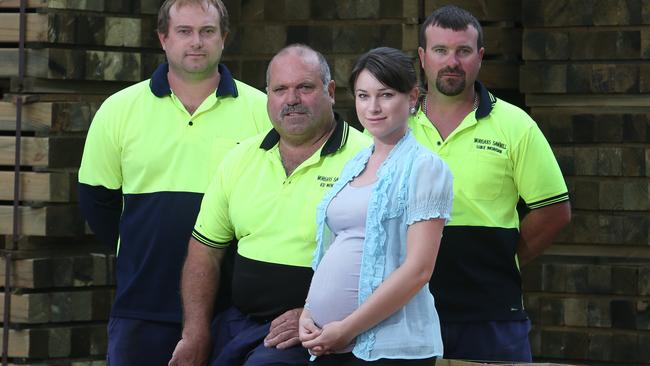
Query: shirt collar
x,y
486,100
159,84
334,143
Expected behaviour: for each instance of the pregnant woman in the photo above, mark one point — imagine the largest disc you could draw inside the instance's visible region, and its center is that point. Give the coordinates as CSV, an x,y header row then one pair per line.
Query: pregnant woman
x,y
379,231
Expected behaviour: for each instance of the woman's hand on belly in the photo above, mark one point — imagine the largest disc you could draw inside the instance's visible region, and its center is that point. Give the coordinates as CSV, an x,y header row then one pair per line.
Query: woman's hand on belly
x,y
334,336
307,329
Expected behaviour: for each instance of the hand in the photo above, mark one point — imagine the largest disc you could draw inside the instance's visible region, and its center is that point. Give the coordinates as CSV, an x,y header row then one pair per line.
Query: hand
x,y
307,329
191,352
284,330
333,336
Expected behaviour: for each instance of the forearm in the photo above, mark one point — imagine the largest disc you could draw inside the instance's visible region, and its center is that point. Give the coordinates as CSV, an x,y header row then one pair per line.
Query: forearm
x,y
539,228
199,286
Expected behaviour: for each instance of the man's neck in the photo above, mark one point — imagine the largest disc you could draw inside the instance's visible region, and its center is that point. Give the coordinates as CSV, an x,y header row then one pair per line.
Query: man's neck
x,y
447,112
192,92
294,152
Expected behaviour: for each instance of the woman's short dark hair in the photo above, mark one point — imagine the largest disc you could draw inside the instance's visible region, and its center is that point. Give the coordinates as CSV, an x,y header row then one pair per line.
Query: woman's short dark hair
x,y
390,66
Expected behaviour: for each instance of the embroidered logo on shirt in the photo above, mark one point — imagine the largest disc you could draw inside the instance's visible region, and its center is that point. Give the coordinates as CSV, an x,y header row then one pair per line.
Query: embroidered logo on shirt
x,y
326,182
491,145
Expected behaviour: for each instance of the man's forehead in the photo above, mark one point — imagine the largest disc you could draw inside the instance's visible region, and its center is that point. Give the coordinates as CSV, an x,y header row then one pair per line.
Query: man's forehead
x,y
439,34
293,67
204,8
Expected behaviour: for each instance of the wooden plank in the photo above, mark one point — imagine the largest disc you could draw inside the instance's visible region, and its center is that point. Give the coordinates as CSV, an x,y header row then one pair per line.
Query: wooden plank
x,y
494,10
63,220
51,269
51,152
58,341
621,100
40,186
49,63
94,5
574,78
49,116
603,251
558,13
585,44
57,307
499,74
87,87
503,42
76,29
56,63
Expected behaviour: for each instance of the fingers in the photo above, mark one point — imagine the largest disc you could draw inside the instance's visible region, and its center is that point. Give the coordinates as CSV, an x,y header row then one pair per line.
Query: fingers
x,y
288,343
284,329
272,340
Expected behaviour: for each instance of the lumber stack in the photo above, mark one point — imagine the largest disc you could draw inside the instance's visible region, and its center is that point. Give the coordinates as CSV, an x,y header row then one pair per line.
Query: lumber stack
x,y
587,84
76,54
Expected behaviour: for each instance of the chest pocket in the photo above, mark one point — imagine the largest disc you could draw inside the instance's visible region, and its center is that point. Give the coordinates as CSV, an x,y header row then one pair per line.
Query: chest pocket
x,y
484,178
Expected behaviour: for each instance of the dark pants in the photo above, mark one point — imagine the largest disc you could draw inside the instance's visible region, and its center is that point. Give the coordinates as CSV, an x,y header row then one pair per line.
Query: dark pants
x,y
348,359
239,341
133,342
487,341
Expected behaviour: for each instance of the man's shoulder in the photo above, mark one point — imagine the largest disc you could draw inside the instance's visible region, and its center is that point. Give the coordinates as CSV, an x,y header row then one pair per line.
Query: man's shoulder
x,y
357,139
247,148
248,91
510,115
130,93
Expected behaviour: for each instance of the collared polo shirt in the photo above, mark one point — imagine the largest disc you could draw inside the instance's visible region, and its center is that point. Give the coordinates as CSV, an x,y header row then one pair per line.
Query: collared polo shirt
x,y
497,155
273,217
146,151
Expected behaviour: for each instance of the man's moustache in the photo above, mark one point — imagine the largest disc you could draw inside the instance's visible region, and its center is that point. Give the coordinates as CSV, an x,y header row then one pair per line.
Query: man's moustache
x,y
293,109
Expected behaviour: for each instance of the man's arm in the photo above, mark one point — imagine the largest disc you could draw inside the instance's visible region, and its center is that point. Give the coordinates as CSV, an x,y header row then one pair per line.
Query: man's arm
x,y
102,208
538,229
199,286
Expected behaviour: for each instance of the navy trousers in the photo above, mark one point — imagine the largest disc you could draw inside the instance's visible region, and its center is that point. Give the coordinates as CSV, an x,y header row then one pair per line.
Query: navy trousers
x,y
134,342
239,341
487,341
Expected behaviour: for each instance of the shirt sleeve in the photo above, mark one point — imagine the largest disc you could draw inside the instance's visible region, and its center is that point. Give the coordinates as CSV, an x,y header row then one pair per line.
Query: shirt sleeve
x,y
213,225
100,178
537,174
430,190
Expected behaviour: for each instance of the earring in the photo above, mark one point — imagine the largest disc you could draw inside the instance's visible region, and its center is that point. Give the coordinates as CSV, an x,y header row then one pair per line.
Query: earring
x,y
413,110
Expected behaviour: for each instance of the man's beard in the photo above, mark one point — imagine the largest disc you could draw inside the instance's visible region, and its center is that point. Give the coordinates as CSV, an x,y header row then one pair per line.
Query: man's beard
x,y
448,88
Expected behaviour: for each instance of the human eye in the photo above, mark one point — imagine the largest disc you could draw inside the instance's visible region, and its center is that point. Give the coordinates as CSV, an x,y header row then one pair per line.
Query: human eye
x,y
279,90
209,31
387,94
465,51
440,50
183,31
306,88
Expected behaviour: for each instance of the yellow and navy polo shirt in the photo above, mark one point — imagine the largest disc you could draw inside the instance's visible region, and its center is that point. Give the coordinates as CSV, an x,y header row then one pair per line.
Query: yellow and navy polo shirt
x,y
273,216
497,155
145,167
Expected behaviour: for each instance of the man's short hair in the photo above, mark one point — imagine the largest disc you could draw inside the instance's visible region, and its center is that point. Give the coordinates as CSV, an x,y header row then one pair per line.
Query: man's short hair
x,y
301,50
451,17
163,13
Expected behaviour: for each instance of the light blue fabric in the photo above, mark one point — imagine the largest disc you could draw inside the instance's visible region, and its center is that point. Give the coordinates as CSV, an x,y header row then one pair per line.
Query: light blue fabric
x,y
412,185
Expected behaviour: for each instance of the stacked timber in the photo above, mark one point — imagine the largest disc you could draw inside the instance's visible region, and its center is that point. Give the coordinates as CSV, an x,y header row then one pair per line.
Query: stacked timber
x,y
587,83
341,30
502,32
61,283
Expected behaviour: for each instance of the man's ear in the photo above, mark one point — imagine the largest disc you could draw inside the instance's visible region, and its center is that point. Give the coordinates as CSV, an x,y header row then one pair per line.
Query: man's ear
x,y
162,38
